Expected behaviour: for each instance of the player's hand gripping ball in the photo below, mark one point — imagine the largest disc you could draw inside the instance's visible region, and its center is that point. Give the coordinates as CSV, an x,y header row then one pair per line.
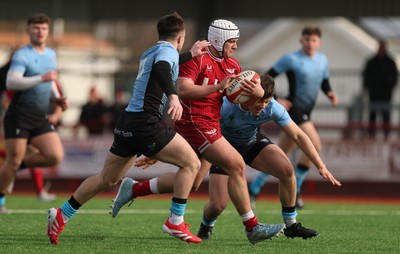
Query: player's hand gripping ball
x,y
234,92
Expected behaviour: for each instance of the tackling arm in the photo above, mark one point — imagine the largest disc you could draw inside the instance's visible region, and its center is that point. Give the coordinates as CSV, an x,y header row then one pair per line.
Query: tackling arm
x,y
305,144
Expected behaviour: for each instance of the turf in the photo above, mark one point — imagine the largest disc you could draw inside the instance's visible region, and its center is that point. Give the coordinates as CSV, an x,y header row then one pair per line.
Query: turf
x,y
343,228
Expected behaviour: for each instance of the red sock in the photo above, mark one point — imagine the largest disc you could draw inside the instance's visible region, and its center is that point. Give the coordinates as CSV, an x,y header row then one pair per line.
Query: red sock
x,y
2,153
37,176
250,223
141,189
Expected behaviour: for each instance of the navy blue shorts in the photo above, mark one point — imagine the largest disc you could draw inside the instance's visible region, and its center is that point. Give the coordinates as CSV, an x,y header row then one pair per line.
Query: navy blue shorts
x,y
299,116
25,125
249,153
140,133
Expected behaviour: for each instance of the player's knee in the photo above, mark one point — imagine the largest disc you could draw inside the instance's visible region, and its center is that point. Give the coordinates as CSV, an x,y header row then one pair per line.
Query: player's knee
x,y
217,207
106,182
193,165
287,171
238,168
55,159
14,164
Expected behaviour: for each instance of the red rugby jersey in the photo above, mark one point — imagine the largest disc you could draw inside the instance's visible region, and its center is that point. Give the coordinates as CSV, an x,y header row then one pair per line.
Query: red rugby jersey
x,y
206,70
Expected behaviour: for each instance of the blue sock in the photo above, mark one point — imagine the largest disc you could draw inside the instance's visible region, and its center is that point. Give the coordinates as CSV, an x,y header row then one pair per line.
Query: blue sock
x,y
207,222
301,173
289,216
258,183
177,208
68,210
3,200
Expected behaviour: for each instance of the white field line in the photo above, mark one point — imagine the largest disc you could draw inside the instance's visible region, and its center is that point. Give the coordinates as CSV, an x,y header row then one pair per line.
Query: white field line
x,y
228,211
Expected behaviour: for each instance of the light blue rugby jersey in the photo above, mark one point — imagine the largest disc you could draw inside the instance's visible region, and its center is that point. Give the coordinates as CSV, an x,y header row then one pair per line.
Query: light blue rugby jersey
x,y
305,75
30,62
240,127
148,96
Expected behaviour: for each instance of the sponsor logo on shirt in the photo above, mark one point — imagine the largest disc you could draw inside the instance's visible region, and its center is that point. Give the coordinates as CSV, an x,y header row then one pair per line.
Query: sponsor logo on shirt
x,y
231,71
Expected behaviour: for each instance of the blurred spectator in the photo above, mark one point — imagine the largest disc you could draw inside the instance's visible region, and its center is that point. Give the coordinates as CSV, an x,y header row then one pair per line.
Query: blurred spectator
x,y
93,115
117,108
380,77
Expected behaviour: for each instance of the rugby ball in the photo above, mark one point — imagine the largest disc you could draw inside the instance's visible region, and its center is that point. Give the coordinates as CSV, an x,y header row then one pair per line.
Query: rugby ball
x,y
234,92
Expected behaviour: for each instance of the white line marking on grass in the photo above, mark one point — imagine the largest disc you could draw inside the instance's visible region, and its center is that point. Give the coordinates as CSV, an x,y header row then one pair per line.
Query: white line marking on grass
x,y
228,211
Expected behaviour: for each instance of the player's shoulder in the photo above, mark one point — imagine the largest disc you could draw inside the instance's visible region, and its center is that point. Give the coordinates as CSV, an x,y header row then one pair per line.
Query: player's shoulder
x,y
166,46
228,108
290,57
23,50
274,106
235,63
22,54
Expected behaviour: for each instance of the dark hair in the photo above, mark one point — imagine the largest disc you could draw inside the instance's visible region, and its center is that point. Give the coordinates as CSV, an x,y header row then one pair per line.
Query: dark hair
x,y
169,26
311,30
268,83
38,18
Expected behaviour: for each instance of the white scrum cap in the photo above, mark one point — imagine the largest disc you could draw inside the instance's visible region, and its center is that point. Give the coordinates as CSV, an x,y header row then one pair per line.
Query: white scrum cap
x,y
220,31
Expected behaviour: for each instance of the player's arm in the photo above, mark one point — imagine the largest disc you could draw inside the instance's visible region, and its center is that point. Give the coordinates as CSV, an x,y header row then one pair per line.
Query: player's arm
x,y
203,171
145,162
162,70
188,90
287,104
305,144
55,117
327,89
17,82
272,72
60,102
196,50
253,88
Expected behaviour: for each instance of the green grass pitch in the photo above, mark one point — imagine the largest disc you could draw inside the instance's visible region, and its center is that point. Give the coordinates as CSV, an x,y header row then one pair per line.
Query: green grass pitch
x,y
343,228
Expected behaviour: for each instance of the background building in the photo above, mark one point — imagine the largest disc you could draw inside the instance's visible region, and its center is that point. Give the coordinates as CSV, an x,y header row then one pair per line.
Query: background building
x,y
99,42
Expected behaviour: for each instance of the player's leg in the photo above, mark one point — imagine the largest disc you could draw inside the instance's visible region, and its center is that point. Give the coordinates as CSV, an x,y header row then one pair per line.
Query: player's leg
x,y
386,120
130,189
37,177
222,154
218,199
50,150
372,121
3,209
273,160
41,192
157,185
259,181
114,168
287,144
256,185
304,162
15,150
179,153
